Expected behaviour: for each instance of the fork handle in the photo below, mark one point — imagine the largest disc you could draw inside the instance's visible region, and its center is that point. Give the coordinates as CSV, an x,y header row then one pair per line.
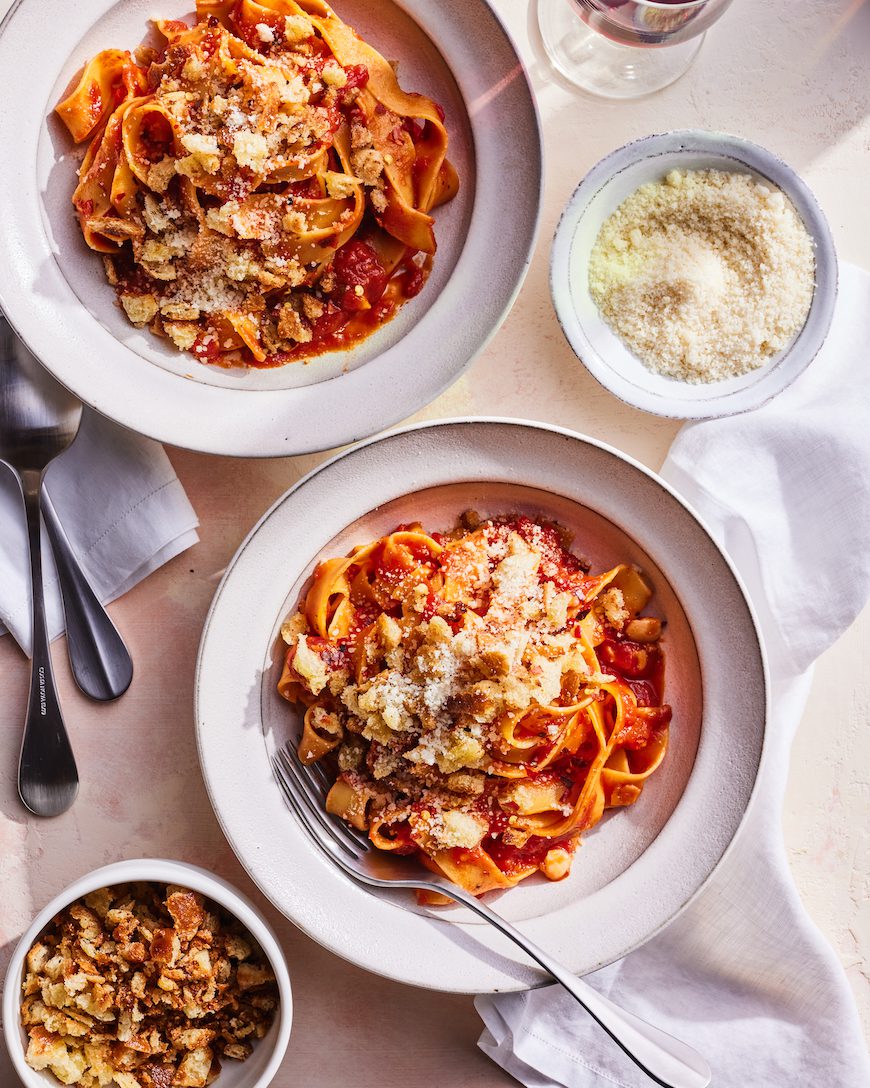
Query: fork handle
x,y
666,1060
47,775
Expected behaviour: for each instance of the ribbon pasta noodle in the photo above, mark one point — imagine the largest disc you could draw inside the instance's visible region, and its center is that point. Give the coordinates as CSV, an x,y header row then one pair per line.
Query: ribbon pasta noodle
x,y
261,190
481,698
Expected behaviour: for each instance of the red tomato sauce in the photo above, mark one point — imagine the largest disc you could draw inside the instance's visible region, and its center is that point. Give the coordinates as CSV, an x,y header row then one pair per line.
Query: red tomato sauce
x,y
344,323
512,859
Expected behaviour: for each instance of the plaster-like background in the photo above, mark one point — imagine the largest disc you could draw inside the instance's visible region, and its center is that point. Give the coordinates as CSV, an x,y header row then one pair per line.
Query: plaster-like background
x,y
791,74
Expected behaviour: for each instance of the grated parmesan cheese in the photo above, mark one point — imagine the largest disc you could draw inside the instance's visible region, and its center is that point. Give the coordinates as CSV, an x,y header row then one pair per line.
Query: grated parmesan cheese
x,y
705,275
497,662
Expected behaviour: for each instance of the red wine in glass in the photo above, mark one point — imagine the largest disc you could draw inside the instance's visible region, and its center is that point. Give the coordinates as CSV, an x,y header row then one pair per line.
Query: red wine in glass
x,y
644,24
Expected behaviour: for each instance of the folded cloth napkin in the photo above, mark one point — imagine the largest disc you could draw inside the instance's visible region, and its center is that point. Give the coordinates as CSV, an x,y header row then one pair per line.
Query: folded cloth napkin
x,y
122,507
743,975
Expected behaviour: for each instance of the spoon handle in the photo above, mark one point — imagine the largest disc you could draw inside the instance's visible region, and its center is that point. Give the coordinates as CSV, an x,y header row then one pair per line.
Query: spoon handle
x,y
100,662
47,777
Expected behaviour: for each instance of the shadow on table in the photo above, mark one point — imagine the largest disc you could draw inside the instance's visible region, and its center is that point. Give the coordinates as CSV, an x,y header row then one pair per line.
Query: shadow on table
x,y
782,74
8,1076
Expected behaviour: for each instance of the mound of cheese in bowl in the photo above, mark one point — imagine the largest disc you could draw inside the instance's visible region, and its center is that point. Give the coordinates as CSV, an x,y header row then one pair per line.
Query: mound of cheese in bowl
x,y
704,274
694,274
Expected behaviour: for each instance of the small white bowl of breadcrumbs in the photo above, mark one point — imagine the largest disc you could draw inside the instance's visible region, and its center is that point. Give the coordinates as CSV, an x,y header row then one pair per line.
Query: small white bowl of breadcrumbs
x,y
148,974
694,274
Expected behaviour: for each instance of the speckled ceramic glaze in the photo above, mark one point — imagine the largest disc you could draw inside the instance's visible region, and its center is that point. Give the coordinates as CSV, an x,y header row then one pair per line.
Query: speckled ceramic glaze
x,y
640,865
54,291
602,352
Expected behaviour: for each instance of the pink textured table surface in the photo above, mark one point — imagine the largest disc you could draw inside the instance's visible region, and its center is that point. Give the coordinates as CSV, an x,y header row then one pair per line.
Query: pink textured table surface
x,y
142,793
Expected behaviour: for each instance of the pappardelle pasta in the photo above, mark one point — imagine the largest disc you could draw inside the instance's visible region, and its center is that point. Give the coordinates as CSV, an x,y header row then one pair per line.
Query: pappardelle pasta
x,y
261,188
481,697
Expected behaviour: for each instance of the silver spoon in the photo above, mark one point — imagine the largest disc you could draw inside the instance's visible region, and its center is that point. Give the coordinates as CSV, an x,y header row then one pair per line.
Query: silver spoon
x,y
100,661
38,421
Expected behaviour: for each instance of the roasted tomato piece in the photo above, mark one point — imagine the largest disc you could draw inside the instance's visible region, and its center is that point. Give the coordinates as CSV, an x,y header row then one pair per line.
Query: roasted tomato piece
x,y
360,278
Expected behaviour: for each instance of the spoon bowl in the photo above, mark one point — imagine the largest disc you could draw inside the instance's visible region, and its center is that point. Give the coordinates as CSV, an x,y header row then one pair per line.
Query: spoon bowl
x,y
38,417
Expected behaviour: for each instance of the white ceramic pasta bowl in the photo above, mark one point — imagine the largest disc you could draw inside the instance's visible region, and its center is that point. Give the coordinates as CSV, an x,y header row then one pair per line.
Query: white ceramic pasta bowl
x,y
259,1070
599,348
640,865
54,291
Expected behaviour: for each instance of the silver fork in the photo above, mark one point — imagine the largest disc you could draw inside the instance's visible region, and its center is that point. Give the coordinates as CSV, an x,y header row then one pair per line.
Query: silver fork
x,y
666,1060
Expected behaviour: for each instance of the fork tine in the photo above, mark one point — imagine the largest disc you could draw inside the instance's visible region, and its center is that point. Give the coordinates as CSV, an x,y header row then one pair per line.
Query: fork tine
x,y
304,778
295,805
358,840
315,771
308,817
334,828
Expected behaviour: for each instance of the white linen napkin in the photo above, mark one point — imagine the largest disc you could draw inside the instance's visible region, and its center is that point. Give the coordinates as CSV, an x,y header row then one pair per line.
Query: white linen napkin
x,y
123,509
743,975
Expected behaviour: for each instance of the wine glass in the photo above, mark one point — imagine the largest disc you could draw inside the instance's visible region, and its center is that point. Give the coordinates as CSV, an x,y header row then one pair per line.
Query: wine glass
x,y
625,48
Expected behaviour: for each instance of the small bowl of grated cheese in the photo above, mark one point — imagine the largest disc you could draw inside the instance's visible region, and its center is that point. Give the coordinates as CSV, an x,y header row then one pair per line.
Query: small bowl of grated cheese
x,y
694,274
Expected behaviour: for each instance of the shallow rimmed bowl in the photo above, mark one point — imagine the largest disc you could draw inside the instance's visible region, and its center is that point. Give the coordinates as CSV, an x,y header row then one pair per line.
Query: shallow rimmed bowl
x,y
643,865
54,292
259,1070
602,352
